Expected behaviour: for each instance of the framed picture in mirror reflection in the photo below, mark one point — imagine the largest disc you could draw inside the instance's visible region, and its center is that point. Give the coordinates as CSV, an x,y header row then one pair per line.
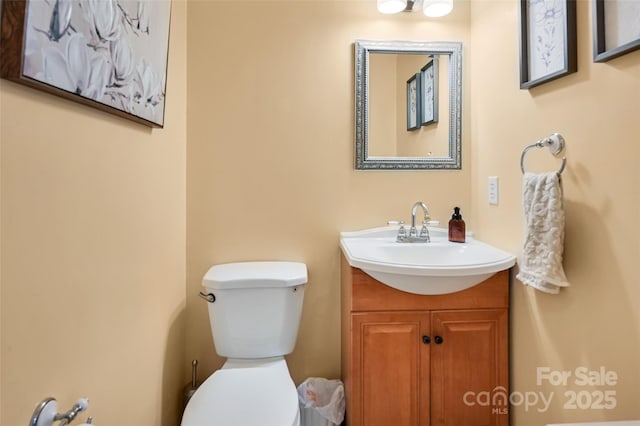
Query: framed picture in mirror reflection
x,y
429,93
413,104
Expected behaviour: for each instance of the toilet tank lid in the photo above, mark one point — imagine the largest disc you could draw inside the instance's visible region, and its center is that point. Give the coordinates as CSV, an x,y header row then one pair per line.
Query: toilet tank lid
x,y
255,275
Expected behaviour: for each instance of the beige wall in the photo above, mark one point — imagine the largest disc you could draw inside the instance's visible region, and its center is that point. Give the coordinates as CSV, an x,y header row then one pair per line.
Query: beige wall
x,y
93,254
595,322
384,104
270,154
93,219
270,175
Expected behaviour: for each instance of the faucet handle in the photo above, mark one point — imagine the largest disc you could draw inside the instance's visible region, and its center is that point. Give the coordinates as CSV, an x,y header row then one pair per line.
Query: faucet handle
x,y
424,232
402,231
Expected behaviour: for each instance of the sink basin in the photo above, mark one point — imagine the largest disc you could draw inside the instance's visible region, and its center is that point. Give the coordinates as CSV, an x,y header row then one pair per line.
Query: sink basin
x,y
438,267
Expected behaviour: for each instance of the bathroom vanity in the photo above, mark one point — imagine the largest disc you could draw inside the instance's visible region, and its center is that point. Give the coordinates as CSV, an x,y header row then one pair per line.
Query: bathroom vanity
x,y
424,359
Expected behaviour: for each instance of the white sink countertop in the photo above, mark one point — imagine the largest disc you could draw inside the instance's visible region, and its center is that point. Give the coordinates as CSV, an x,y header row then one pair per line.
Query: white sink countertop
x,y
437,267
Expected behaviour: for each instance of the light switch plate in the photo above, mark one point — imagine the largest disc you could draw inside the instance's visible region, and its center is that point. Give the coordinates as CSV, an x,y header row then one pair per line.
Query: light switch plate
x,y
493,190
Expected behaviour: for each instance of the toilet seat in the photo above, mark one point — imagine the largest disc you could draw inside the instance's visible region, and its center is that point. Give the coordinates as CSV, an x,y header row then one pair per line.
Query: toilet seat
x,y
253,396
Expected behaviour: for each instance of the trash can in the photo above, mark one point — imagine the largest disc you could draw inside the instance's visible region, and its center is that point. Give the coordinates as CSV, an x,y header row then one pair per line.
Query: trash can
x,y
321,402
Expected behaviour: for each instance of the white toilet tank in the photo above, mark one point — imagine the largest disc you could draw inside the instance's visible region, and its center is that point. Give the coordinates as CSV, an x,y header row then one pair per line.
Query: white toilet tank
x,y
257,307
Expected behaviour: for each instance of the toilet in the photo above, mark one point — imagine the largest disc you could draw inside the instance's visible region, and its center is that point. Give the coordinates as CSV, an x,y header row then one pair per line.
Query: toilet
x,y
254,311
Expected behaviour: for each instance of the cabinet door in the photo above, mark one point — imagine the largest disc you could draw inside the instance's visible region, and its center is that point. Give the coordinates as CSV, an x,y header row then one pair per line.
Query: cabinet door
x,y
469,368
390,369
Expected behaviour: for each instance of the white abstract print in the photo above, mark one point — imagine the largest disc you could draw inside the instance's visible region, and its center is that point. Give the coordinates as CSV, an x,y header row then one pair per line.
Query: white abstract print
x,y
622,21
110,51
546,21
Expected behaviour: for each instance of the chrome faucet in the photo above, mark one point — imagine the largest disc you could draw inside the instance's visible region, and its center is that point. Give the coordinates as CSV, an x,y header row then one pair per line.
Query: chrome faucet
x,y
414,236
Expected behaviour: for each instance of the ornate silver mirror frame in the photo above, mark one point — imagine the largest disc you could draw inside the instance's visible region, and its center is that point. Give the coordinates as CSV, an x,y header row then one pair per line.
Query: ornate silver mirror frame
x,y
452,50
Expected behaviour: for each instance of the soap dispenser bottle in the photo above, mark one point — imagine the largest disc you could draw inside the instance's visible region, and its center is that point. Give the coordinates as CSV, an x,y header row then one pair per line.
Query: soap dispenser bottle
x,y
457,229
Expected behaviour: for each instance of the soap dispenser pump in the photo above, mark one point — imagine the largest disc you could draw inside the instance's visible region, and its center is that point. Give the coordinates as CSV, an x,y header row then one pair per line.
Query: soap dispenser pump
x,y
457,229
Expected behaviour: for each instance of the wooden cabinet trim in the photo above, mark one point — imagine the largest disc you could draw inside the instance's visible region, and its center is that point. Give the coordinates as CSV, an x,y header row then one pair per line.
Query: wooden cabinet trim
x,y
362,292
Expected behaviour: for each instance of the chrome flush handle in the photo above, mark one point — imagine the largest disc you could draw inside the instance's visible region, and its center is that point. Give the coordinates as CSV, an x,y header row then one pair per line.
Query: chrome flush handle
x,y
209,297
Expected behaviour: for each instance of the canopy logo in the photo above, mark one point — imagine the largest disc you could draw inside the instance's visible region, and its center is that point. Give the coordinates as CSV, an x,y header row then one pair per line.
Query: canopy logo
x,y
499,400
583,399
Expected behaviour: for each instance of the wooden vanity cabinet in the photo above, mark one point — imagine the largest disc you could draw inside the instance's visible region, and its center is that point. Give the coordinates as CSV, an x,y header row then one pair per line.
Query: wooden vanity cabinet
x,y
422,360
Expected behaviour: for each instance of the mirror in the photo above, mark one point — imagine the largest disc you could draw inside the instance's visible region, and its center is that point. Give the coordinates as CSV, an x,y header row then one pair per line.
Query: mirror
x,y
408,104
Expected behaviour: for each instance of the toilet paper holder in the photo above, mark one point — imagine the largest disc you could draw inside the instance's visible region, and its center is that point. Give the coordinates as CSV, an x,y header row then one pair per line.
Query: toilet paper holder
x,y
46,412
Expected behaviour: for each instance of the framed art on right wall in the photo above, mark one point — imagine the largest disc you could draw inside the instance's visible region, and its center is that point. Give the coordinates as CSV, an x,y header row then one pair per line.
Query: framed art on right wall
x,y
616,28
548,41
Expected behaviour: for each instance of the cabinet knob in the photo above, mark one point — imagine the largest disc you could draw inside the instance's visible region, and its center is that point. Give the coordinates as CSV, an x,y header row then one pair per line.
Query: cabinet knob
x,y
438,340
426,340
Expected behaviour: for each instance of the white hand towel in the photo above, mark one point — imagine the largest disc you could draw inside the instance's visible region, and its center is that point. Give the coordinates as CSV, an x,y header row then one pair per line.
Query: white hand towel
x,y
541,261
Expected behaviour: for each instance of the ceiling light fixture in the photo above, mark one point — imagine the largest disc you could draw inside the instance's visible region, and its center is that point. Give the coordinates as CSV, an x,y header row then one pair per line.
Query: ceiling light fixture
x,y
437,8
391,6
431,8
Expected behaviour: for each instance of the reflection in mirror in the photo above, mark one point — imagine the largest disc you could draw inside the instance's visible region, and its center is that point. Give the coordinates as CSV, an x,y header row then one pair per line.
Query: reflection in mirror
x,y
394,128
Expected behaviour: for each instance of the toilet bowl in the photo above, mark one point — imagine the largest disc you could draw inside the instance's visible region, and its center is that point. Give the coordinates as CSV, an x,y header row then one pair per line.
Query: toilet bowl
x,y
254,311
261,394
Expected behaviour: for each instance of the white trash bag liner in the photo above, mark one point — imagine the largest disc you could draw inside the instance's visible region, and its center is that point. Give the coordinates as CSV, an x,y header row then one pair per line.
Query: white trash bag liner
x,y
324,397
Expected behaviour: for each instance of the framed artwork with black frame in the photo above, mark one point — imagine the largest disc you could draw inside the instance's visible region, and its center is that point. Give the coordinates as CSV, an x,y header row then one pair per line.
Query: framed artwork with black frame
x,y
616,29
548,41
413,102
429,92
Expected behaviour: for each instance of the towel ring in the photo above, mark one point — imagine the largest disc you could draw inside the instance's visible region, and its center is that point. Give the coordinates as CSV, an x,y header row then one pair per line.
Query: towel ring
x,y
555,143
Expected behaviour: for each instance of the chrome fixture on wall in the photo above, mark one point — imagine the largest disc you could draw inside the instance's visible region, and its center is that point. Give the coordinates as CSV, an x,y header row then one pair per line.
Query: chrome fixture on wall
x,y
47,412
555,143
431,8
